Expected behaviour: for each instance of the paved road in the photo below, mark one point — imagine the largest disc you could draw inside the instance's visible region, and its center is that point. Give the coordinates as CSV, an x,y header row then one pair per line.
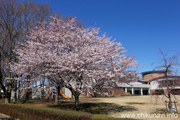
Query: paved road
x,y
5,117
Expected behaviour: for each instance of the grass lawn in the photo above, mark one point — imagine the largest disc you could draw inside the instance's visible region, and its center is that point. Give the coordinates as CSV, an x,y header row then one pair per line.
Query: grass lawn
x,y
117,106
107,108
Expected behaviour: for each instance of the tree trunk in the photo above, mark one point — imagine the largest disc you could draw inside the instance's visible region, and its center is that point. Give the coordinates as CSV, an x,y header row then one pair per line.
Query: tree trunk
x,y
57,95
76,102
170,103
76,96
26,97
19,91
5,91
15,91
7,100
42,96
15,96
7,95
0,94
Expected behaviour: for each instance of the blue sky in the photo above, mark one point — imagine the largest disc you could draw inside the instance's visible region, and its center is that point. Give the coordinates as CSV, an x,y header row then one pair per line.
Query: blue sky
x,y
142,26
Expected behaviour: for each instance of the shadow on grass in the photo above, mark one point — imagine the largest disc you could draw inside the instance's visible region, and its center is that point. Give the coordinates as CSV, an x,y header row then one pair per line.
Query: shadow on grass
x,y
162,111
96,108
7,119
135,103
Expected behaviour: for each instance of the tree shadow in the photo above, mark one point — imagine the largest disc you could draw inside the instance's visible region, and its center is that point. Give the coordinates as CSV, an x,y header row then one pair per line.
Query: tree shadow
x,y
7,119
96,108
160,110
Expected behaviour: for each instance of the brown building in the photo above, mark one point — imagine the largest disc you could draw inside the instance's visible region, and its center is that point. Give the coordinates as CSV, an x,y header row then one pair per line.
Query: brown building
x,y
150,75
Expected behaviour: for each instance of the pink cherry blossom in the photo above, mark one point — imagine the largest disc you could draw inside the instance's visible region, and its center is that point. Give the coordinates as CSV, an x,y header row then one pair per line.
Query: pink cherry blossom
x,y
80,58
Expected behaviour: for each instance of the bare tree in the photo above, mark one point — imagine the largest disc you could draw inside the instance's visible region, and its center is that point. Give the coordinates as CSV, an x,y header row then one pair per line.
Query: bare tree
x,y
169,61
15,21
168,85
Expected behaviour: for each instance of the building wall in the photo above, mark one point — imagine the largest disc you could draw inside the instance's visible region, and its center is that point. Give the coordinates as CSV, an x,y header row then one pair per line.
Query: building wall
x,y
154,85
114,91
164,91
155,92
148,77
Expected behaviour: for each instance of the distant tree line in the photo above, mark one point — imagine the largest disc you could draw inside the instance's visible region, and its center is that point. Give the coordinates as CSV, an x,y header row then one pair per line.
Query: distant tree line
x,y
16,19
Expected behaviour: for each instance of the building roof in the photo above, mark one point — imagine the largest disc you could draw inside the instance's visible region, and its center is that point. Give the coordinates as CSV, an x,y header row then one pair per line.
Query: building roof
x,y
166,77
151,72
134,85
143,81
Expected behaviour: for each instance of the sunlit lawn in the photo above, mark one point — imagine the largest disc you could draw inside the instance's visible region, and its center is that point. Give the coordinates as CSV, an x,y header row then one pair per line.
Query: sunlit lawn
x,y
131,105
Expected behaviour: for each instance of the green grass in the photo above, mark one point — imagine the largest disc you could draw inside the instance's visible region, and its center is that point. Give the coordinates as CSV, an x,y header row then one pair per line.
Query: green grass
x,y
45,109
96,108
55,112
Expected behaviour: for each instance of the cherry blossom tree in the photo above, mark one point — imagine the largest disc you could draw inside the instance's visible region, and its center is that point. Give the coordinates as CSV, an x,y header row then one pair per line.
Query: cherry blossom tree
x,y
79,57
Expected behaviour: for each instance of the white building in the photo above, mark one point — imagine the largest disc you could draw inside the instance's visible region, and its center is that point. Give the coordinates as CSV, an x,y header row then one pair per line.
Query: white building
x,y
135,88
159,85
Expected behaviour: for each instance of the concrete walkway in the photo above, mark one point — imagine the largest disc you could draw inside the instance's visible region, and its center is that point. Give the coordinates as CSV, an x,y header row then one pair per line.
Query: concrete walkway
x,y
5,117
